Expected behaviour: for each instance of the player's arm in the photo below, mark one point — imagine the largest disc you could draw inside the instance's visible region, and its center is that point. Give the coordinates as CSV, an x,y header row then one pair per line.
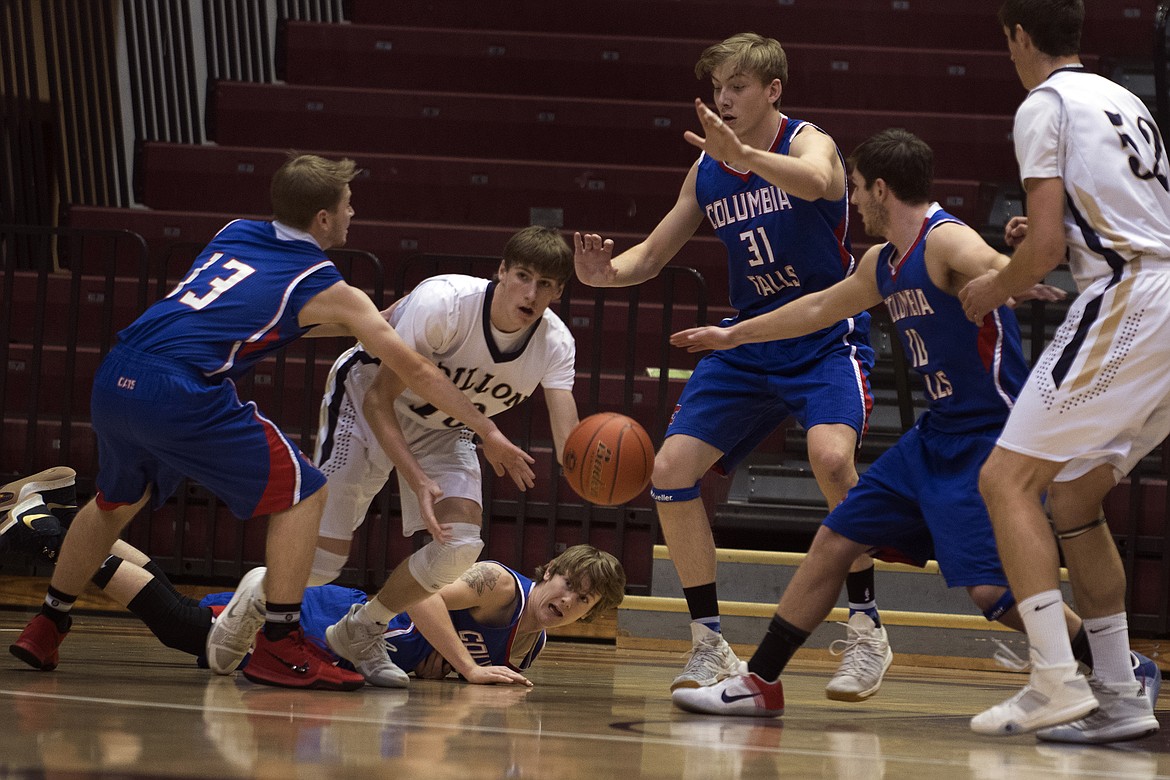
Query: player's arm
x,y
352,308
956,254
1042,250
562,417
486,586
592,256
811,170
378,409
848,297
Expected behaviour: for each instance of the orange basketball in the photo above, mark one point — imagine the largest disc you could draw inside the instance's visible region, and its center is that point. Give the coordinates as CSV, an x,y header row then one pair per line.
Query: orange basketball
x,y
608,459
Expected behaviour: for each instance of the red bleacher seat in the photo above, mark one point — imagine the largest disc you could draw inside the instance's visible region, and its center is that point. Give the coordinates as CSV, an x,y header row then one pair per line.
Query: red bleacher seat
x,y
1111,28
836,75
592,131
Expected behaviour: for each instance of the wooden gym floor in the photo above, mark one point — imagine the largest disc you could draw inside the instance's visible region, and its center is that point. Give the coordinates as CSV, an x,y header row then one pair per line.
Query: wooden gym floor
x,y
121,705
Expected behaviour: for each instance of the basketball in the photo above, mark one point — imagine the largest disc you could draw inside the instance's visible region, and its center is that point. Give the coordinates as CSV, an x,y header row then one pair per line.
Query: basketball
x,y
608,459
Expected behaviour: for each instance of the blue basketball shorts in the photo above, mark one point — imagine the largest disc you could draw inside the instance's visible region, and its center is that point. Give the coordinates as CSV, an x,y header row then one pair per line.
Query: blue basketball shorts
x,y
737,397
920,500
158,420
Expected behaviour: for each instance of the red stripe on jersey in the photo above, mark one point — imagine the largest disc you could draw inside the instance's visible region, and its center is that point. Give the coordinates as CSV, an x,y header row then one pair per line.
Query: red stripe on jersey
x,y
839,233
988,340
283,488
895,268
260,343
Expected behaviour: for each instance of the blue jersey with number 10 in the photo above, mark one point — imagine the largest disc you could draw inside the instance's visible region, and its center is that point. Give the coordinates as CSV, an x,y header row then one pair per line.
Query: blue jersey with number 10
x,y
971,373
779,247
239,302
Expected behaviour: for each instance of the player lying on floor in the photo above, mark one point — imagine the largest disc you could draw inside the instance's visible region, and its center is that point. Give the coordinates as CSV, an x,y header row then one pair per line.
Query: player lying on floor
x,y
488,626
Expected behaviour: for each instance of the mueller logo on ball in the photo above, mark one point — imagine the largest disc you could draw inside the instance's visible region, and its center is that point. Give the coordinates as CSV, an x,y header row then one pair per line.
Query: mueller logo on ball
x,y
603,455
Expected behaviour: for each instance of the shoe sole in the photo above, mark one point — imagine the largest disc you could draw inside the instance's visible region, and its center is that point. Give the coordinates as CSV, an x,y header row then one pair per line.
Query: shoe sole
x,y
49,479
862,695
1078,738
31,658
315,685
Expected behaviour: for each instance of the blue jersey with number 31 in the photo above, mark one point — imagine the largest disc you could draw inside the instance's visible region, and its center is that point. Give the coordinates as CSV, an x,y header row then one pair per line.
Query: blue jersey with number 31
x,y
779,247
239,302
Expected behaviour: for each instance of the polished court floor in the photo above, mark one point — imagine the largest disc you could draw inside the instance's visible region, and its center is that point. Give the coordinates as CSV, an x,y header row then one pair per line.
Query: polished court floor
x,y
121,705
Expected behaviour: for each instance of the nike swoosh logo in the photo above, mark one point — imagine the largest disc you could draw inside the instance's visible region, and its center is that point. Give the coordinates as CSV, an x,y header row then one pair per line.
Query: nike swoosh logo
x,y
28,519
295,668
1096,630
729,699
1045,606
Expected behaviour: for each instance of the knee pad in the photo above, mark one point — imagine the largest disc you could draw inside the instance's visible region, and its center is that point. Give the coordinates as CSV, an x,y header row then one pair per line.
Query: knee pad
x,y
1005,602
326,566
436,565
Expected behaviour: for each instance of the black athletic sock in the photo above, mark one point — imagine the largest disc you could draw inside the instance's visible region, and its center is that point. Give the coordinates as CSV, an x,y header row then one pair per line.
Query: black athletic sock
x,y
860,589
702,601
1080,648
779,644
280,620
56,608
157,572
178,625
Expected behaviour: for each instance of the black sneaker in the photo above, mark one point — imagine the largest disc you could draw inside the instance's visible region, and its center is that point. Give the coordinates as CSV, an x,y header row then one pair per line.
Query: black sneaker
x,y
57,486
31,527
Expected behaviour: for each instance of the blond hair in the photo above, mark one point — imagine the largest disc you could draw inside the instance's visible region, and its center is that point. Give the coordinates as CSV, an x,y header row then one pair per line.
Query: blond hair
x,y
749,53
307,184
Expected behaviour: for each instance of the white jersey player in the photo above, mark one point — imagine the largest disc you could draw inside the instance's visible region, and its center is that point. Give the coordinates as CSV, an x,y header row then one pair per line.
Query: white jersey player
x,y
497,341
1093,165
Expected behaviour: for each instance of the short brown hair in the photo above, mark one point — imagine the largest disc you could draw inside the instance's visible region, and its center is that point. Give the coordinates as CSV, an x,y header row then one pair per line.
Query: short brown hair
x,y
584,562
542,249
902,159
747,52
1054,25
306,184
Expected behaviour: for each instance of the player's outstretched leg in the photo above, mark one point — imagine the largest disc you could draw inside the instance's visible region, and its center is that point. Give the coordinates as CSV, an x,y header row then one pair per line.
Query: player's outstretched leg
x,y
1127,709
362,642
743,693
867,656
1054,694
710,659
234,631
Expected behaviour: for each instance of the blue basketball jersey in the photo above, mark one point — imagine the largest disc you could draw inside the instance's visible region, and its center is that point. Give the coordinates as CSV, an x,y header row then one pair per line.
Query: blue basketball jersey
x,y
779,247
488,645
971,373
238,303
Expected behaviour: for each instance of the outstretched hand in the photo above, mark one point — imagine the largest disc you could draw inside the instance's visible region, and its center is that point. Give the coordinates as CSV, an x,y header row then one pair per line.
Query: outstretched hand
x,y
504,456
592,258
495,675
704,338
428,494
720,141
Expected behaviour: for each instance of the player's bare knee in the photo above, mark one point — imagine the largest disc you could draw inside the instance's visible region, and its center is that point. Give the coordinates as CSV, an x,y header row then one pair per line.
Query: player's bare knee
x,y
835,467
438,564
828,544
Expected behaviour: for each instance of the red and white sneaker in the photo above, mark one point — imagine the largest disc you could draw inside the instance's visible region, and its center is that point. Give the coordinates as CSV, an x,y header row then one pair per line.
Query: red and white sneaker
x,y
38,642
294,663
739,694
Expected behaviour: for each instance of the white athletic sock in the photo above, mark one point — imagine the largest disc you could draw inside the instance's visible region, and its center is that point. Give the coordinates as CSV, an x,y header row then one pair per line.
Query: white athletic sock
x,y
1043,616
376,612
1109,641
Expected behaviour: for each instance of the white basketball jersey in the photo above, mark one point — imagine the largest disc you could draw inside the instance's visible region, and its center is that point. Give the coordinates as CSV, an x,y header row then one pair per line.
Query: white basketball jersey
x,y
447,319
1101,140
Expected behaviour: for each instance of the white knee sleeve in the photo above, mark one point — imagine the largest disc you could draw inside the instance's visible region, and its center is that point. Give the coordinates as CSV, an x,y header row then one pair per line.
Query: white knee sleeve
x,y
436,565
326,566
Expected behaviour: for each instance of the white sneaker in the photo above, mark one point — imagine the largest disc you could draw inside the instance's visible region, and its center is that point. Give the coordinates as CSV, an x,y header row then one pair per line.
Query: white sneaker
x,y
1126,713
739,694
1054,695
233,632
710,659
867,657
362,642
